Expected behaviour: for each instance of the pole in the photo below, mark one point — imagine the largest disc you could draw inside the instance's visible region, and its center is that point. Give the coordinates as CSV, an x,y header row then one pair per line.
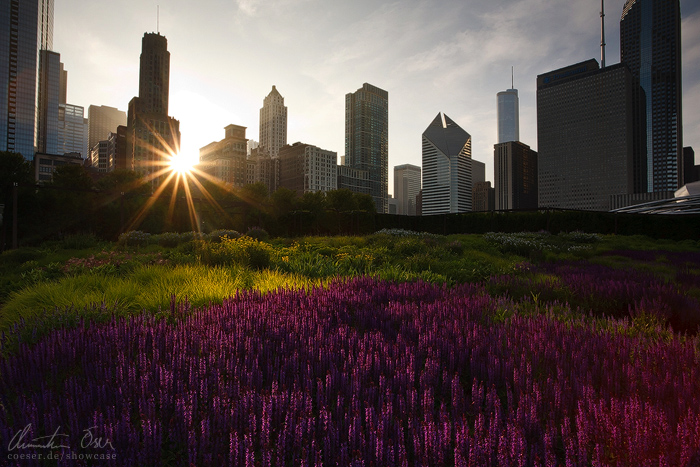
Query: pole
x,y
14,215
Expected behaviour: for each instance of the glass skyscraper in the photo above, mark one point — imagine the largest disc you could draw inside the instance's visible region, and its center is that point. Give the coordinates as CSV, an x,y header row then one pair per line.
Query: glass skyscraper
x,y
650,45
367,139
508,116
26,28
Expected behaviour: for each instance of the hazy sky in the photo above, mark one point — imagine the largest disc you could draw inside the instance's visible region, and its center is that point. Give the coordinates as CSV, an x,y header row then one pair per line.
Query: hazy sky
x,y
432,56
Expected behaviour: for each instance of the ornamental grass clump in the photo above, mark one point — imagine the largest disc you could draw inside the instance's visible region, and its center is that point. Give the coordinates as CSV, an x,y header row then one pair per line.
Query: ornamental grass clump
x,y
359,372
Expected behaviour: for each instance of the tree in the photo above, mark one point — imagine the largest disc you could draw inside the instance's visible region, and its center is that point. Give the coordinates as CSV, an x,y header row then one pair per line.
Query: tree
x,y
14,169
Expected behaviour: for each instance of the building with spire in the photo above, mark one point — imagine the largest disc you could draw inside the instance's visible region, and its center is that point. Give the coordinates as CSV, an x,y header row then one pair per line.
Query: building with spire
x,y
508,116
447,168
273,123
26,29
367,139
650,46
152,136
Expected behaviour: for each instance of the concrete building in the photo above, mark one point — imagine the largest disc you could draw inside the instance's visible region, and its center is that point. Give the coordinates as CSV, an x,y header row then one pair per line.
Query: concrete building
x,y
26,28
305,168
103,120
515,176
226,159
508,113
483,197
46,164
121,160
585,135
262,168
650,45
153,137
273,123
407,184
447,168
367,139
103,155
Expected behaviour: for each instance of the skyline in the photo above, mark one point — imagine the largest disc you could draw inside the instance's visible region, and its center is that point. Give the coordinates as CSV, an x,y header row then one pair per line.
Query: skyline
x,y
430,56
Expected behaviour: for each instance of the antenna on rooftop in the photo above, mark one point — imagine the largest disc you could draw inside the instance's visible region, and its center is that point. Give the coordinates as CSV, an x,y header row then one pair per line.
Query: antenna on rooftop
x,y
158,18
602,33
512,86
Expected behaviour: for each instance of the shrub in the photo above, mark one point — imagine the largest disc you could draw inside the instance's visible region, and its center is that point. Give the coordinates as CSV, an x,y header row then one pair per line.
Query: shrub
x,y
134,238
80,241
258,233
218,235
168,239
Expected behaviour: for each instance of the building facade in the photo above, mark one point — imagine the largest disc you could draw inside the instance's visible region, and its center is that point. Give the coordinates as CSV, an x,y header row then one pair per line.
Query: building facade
x,y
26,28
46,164
263,168
407,184
515,176
508,113
447,168
72,130
153,137
103,155
103,120
483,197
50,98
225,160
273,123
585,135
305,168
367,139
650,45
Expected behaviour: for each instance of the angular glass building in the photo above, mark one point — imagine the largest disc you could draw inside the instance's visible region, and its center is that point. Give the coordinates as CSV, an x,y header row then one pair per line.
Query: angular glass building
x,y
367,139
650,45
26,28
447,170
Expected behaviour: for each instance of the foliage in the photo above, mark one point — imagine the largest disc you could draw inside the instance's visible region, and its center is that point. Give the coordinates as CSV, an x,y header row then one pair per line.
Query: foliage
x,y
365,372
258,233
134,238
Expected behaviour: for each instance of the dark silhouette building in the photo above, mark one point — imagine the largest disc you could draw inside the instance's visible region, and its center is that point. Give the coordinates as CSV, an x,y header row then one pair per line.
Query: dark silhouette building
x,y
153,137
515,170
584,135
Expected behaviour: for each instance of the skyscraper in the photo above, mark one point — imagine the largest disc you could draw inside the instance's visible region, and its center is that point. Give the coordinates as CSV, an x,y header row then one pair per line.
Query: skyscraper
x,y
367,139
650,45
406,188
584,135
447,170
226,159
50,92
515,169
26,28
273,123
508,116
103,120
72,130
152,136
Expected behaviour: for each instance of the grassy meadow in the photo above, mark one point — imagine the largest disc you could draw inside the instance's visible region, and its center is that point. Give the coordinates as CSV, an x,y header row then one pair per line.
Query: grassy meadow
x,y
519,347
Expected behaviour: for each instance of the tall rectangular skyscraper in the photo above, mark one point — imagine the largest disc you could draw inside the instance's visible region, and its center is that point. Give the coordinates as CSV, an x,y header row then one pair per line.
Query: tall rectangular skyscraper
x,y
447,168
508,116
584,136
153,137
367,139
26,28
650,45
515,169
273,123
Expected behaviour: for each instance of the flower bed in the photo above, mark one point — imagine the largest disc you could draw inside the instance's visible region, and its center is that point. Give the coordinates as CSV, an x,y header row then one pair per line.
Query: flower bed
x,y
363,372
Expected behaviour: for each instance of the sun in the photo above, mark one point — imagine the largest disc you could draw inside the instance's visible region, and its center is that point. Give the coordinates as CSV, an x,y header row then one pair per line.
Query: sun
x,y
181,163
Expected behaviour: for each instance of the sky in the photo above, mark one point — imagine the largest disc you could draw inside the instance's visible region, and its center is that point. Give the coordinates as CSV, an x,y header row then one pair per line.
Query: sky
x,y
432,56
